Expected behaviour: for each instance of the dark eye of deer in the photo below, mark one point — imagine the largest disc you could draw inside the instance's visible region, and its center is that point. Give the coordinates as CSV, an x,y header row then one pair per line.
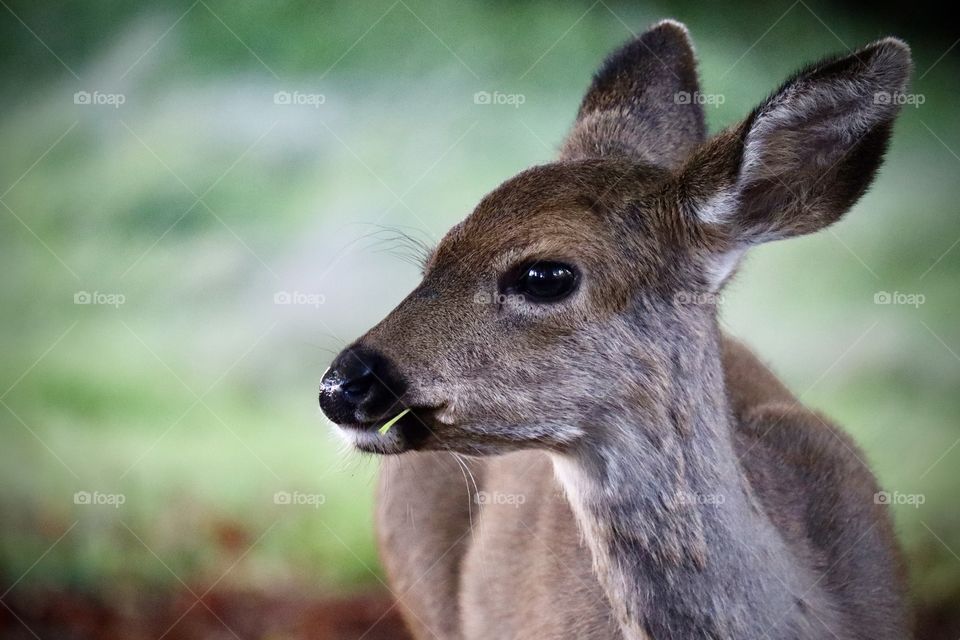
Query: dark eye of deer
x,y
546,281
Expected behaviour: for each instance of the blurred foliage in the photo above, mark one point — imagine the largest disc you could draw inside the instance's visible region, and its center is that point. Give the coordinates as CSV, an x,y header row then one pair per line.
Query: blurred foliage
x,y
199,199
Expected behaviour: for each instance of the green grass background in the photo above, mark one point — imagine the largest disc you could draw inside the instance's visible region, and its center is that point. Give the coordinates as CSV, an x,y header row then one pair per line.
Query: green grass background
x,y
196,398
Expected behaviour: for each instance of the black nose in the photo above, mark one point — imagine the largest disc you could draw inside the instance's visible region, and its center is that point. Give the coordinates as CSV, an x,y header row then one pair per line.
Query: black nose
x,y
360,386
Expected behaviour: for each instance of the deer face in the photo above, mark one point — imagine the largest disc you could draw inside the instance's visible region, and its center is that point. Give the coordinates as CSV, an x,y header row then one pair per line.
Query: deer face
x,y
523,310
566,293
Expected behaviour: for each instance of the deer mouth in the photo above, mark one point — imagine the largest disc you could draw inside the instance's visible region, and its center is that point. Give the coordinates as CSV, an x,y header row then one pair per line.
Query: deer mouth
x,y
409,433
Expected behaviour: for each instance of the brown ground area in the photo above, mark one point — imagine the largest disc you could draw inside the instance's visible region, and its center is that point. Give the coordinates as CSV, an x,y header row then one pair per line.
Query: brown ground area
x,y
178,616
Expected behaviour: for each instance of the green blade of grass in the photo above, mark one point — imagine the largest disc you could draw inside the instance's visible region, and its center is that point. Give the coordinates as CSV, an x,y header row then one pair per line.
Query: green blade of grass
x,y
393,421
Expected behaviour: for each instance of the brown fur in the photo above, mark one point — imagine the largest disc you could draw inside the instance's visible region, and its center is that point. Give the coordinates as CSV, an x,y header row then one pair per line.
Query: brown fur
x,y
476,569
648,477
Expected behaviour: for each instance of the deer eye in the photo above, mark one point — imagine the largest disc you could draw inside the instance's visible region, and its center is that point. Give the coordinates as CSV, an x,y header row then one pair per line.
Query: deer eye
x,y
546,281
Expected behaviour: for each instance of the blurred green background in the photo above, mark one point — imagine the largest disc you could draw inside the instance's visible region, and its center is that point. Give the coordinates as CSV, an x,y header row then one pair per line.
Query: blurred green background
x,y
229,228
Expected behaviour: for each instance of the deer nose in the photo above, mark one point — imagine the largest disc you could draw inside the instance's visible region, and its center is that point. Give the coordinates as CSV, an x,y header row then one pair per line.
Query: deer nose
x,y
360,385
357,380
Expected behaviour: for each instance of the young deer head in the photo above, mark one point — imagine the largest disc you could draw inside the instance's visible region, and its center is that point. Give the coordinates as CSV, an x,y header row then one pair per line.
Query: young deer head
x,y
582,286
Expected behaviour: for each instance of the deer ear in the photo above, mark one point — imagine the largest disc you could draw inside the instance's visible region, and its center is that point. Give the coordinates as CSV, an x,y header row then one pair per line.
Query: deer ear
x,y
803,157
643,102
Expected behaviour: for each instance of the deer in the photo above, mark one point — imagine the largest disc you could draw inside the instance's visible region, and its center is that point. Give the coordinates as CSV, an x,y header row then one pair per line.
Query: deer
x,y
631,470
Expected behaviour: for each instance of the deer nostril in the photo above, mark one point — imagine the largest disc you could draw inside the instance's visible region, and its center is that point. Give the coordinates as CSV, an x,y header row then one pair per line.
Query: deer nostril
x,y
359,384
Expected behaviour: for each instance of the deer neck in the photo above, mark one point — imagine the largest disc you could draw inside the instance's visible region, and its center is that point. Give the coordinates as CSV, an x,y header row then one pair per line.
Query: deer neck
x,y
679,543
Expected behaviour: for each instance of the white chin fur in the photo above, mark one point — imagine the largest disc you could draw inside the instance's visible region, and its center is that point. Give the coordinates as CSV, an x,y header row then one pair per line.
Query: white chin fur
x,y
371,440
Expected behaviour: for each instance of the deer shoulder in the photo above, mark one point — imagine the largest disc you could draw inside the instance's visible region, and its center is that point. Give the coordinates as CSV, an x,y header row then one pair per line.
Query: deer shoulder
x,y
813,482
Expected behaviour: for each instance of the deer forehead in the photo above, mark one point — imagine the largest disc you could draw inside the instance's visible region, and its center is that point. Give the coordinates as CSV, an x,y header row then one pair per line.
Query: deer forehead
x,y
575,209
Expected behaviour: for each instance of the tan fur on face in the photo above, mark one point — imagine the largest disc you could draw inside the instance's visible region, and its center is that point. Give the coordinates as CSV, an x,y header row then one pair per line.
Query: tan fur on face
x,y
494,368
